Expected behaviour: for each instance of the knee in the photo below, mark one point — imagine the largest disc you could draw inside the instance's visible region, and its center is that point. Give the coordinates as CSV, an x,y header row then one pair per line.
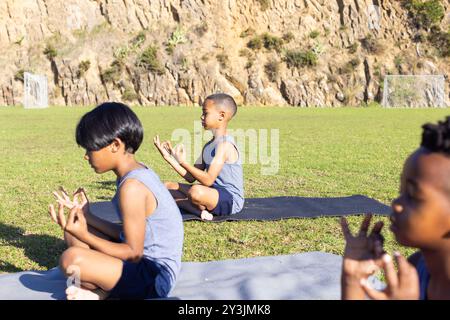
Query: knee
x,y
71,257
171,185
196,194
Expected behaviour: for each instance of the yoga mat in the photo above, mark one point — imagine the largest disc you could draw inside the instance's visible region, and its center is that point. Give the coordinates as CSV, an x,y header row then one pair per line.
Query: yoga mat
x,y
277,208
310,275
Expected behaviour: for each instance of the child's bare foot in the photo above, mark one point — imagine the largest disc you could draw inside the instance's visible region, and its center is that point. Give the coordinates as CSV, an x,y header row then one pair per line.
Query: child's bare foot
x,y
76,293
205,215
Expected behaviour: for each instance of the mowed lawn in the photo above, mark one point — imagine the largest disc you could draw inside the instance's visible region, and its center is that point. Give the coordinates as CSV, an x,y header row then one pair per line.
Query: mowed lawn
x,y
323,153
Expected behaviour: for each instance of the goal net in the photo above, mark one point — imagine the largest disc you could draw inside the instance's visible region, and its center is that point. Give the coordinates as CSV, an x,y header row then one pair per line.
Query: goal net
x,y
414,91
35,91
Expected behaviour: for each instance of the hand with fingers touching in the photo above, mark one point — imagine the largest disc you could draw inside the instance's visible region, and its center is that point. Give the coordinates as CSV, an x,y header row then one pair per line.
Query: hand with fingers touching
x,y
165,148
75,224
401,285
79,199
362,257
362,252
179,153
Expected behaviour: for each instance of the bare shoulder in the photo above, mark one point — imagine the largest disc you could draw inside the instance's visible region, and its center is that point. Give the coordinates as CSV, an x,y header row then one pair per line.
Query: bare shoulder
x,y
132,187
136,198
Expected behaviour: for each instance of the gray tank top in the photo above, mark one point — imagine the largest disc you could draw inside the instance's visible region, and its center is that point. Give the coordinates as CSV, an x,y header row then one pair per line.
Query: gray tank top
x,y
164,231
231,177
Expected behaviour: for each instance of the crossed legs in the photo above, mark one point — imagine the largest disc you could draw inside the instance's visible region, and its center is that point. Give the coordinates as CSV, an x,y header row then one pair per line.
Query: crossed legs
x,y
197,199
97,272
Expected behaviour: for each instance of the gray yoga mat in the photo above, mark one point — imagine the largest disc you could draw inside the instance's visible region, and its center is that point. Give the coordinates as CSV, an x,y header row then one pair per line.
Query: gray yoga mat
x,y
311,275
277,208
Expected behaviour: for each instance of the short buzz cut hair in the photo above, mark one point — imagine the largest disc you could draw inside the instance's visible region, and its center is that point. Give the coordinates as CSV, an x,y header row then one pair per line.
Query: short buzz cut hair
x,y
108,121
223,100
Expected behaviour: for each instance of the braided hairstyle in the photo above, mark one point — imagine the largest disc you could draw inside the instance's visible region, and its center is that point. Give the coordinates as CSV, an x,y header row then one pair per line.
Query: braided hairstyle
x,y
436,137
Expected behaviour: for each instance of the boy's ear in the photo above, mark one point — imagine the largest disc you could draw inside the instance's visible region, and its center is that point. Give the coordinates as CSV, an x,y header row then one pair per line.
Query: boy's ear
x,y
115,145
222,115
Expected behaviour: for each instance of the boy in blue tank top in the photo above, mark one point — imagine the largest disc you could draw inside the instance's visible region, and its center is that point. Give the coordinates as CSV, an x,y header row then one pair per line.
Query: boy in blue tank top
x,y
218,171
140,260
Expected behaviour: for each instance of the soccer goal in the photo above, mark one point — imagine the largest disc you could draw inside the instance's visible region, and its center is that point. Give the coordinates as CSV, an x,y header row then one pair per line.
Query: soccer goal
x,y
414,91
35,91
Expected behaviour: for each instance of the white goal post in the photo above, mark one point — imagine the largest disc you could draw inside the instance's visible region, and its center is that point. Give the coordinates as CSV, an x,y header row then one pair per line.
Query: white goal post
x,y
35,91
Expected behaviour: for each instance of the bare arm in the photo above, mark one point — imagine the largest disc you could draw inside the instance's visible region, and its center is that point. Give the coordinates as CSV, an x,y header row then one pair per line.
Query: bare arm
x,y
165,148
133,197
208,177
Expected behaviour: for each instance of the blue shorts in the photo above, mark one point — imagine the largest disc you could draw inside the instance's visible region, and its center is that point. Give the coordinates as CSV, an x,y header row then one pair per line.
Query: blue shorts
x,y
225,204
137,281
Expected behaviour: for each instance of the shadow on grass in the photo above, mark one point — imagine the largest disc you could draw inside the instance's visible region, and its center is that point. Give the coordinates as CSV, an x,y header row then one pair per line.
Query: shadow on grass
x,y
44,250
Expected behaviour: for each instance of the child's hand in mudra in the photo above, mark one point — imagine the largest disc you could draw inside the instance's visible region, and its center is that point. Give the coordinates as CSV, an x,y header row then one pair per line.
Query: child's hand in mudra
x,y
179,153
165,148
79,198
363,252
76,222
403,285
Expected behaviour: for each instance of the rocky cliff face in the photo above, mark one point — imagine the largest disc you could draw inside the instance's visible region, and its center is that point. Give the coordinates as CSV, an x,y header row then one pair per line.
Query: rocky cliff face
x,y
175,52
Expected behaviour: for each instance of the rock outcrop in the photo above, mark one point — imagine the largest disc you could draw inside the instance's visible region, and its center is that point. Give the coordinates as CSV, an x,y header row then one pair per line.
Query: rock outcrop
x,y
94,50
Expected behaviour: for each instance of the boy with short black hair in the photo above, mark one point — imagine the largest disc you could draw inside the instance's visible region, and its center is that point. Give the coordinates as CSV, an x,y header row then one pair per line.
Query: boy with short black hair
x,y
218,170
142,259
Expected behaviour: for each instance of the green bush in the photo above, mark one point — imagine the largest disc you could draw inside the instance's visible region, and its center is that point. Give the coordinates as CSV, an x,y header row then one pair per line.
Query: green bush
x,y
177,37
314,34
425,13
248,32
255,43
272,69
372,45
19,76
288,37
267,41
264,4
148,60
50,51
129,94
272,42
137,41
299,59
440,40
350,66
353,48
83,66
398,61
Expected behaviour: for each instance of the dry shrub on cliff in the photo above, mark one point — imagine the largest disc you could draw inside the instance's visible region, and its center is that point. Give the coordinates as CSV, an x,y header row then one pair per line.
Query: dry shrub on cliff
x,y
223,60
272,69
83,66
265,4
372,45
247,32
129,94
255,43
266,40
149,61
201,29
440,40
288,37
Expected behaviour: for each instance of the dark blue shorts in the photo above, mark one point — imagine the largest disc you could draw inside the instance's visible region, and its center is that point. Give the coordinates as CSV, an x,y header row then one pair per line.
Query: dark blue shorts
x,y
225,205
137,281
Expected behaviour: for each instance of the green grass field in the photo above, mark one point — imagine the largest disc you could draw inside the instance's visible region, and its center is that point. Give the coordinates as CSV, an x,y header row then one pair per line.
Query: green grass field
x,y
323,153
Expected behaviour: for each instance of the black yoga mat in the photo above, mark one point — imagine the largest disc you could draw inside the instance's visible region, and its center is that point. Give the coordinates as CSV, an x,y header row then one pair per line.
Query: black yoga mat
x,y
277,208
